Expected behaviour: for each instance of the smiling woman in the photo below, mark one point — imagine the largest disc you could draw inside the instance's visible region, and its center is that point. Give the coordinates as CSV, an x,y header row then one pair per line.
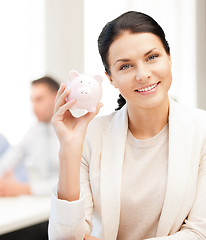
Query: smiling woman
x,y
123,59
133,69
140,172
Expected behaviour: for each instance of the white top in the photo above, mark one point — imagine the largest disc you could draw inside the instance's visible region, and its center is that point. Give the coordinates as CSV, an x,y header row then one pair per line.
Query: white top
x,y
144,179
37,153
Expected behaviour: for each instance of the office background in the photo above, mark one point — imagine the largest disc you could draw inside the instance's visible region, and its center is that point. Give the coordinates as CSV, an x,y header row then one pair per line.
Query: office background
x,y
52,37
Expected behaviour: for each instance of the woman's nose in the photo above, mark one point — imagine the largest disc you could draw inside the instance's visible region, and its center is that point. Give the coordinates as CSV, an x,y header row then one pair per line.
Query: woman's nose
x,y
142,73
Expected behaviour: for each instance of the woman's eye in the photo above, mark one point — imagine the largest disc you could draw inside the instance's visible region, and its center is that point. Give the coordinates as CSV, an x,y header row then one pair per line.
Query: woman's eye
x,y
125,66
152,57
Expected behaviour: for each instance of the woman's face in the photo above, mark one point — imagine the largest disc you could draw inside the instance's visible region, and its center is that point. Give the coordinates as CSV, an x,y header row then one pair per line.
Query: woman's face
x,y
140,68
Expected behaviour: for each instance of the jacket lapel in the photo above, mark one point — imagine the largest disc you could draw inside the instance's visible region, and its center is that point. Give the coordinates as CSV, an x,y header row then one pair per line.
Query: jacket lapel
x,y
180,139
113,148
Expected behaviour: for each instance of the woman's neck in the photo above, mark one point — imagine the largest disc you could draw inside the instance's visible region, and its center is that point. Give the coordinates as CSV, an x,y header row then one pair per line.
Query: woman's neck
x,y
147,122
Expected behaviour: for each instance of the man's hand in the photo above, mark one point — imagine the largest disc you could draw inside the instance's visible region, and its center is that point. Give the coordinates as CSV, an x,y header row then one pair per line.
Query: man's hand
x,y
88,237
10,186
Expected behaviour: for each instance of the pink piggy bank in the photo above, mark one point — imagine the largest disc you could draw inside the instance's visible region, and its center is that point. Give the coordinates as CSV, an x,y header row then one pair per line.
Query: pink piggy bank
x,y
85,89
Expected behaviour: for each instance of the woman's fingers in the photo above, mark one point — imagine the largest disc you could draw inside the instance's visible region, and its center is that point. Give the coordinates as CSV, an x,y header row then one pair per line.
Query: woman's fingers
x,y
99,106
89,237
60,91
61,100
90,115
60,112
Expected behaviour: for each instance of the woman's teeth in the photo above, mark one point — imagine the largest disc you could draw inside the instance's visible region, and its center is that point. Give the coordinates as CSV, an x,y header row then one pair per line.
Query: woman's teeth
x,y
148,88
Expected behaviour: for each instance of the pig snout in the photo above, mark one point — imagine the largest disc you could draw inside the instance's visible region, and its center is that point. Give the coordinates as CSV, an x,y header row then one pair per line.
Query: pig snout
x,y
84,94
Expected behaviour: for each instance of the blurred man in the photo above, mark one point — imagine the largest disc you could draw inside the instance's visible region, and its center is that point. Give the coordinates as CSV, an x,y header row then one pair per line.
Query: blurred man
x,y
31,167
4,144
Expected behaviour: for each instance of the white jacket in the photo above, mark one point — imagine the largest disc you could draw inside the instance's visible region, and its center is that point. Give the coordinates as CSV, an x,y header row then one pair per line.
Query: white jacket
x,y
183,214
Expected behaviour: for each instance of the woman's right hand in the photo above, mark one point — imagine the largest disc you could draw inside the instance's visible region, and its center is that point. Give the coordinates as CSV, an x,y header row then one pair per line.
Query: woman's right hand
x,y
67,127
71,133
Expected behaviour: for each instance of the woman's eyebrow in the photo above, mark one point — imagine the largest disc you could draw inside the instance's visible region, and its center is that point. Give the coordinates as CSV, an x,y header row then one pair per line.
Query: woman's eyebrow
x,y
122,60
147,53
127,59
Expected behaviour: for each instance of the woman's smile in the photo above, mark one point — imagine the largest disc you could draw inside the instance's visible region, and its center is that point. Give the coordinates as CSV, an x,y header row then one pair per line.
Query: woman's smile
x,y
152,88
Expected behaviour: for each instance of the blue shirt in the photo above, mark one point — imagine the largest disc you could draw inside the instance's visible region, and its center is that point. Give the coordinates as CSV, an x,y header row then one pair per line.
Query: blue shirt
x,y
4,144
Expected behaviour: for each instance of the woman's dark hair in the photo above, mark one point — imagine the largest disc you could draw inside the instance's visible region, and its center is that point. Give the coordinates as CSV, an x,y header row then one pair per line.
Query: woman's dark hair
x,y
134,22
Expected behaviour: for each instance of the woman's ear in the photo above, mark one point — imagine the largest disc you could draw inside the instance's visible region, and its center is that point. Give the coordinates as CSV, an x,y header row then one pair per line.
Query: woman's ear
x,y
111,80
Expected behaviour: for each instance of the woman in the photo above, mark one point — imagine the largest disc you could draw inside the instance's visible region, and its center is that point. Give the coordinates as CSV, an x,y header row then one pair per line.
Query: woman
x,y
142,168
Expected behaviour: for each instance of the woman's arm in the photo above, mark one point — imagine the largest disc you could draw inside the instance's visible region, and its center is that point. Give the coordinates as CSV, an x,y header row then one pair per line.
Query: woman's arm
x,y
71,132
67,219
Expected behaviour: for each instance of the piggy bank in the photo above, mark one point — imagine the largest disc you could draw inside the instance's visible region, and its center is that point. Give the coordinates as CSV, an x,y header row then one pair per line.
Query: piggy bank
x,y
86,89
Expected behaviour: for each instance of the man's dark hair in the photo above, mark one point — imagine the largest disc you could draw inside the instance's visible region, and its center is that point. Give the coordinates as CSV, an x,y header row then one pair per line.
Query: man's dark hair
x,y
50,82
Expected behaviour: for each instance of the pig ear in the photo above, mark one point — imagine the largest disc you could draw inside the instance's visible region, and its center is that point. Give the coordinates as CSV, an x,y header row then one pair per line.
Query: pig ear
x,y
98,78
73,74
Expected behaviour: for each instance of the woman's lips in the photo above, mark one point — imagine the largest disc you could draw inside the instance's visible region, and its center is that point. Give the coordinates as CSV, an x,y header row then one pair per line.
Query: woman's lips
x,y
148,89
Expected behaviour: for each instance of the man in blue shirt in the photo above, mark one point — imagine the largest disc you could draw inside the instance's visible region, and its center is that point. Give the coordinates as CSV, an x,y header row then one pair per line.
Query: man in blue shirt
x,y
4,144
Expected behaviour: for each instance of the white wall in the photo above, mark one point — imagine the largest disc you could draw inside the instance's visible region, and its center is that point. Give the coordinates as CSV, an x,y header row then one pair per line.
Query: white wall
x,y
64,33
37,39
14,73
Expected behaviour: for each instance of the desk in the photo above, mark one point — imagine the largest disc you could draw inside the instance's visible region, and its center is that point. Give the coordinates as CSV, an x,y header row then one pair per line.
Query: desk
x,y
23,211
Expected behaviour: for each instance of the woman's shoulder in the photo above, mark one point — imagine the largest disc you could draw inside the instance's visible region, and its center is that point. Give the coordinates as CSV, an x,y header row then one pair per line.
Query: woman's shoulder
x,y
112,123
100,123
193,115
196,115
97,127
